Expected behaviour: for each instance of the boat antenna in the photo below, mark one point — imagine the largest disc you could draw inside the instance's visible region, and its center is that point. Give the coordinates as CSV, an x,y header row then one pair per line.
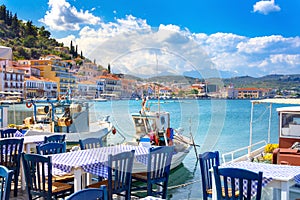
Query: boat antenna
x,y
193,141
158,101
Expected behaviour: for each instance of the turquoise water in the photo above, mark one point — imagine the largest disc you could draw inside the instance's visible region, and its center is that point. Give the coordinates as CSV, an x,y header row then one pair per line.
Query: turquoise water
x,y
221,125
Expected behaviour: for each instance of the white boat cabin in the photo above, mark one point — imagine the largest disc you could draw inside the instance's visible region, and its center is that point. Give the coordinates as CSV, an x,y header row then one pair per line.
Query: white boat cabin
x,y
152,124
289,126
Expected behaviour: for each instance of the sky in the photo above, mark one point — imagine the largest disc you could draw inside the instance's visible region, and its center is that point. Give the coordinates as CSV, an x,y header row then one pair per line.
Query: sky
x,y
208,37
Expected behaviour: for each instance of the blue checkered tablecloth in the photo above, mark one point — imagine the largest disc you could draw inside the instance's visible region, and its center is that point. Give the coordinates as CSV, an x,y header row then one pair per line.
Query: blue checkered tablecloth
x,y
270,172
94,161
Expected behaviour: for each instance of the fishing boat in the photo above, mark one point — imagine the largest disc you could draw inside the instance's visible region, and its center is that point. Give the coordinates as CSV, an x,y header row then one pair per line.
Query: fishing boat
x,y
289,130
63,116
152,128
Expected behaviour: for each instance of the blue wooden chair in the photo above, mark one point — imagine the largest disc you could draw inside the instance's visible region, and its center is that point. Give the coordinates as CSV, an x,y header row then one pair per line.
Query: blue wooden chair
x,y
119,175
158,170
10,157
90,143
207,160
38,175
5,182
226,180
51,148
91,194
55,138
54,148
10,132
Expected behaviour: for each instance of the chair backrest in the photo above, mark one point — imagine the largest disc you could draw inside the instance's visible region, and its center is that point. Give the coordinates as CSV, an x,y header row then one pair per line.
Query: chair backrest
x,y
10,152
235,183
10,132
51,148
38,175
90,143
159,163
55,138
90,193
5,182
119,173
207,160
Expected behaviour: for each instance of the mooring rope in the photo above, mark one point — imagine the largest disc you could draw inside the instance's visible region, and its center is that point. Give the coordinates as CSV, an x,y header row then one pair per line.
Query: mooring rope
x,y
182,185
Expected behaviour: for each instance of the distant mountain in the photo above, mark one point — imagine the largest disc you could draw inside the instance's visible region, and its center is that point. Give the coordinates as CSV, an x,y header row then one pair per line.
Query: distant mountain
x,y
273,81
269,81
197,74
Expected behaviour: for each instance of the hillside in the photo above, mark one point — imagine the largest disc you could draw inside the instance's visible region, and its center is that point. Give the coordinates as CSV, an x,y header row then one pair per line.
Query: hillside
x,y
282,82
27,40
269,81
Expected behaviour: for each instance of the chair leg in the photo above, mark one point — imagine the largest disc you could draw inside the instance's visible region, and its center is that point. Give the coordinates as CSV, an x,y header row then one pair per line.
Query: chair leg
x,y
149,189
16,184
127,195
164,192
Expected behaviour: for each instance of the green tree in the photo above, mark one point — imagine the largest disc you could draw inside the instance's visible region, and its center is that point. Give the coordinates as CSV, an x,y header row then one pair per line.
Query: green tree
x,y
29,41
15,26
30,29
44,33
181,93
194,91
108,68
2,12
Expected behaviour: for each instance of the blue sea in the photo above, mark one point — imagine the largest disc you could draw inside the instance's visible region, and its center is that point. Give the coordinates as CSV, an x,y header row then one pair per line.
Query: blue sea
x,y
221,125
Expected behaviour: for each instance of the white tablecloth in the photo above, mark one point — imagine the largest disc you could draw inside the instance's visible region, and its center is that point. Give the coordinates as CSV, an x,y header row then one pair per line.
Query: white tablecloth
x,y
94,160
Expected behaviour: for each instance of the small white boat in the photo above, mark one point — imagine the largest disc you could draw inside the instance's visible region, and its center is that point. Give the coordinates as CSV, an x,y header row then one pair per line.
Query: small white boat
x,y
289,130
152,128
100,100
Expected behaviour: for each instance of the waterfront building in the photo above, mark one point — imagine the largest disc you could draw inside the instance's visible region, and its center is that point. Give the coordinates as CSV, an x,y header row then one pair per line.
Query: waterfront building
x,y
165,92
39,87
89,70
57,71
232,93
87,89
109,85
250,93
12,80
127,87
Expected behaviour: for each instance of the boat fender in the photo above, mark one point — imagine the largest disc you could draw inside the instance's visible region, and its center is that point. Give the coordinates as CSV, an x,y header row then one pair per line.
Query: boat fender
x,y
65,121
170,136
68,121
28,105
114,130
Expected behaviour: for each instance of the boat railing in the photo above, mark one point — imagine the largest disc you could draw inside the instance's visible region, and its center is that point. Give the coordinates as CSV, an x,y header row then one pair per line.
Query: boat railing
x,y
242,153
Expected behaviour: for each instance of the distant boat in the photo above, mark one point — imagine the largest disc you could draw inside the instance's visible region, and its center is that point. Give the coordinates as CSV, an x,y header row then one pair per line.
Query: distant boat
x,y
100,99
11,100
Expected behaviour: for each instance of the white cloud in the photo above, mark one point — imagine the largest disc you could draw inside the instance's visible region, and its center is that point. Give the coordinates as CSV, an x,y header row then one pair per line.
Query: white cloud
x,y
63,16
269,44
265,7
132,46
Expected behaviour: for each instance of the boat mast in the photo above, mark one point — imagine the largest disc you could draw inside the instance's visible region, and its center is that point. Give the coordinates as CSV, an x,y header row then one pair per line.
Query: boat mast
x,y
158,101
250,139
269,128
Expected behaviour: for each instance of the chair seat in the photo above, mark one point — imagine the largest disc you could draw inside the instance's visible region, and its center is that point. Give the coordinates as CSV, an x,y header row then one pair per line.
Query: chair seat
x,y
64,178
209,191
142,175
58,187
